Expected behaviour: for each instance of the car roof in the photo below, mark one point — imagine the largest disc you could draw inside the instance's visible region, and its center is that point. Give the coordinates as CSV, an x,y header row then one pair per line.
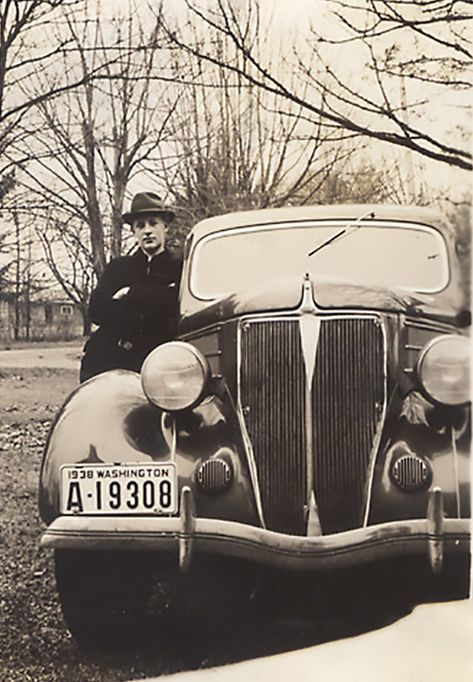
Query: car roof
x,y
392,212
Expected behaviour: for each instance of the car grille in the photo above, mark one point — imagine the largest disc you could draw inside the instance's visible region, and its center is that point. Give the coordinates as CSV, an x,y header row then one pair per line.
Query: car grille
x,y
347,395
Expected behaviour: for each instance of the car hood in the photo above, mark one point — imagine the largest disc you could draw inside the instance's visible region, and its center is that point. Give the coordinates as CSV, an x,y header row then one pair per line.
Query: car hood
x,y
327,295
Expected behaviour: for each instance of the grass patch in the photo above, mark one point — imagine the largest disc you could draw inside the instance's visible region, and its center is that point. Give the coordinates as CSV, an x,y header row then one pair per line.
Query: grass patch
x,y
33,394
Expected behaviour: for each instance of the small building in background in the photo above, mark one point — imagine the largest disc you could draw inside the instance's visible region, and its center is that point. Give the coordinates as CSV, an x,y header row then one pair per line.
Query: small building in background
x,y
48,320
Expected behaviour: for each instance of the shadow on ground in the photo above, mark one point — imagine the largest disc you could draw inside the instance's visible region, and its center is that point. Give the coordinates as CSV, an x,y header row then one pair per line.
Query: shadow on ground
x,y
206,628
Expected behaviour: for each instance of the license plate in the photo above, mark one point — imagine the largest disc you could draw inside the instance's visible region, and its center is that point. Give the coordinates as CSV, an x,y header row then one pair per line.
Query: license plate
x,y
118,489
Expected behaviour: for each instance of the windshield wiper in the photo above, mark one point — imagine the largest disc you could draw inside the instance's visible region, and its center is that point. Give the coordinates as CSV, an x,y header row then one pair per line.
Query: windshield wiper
x,y
348,229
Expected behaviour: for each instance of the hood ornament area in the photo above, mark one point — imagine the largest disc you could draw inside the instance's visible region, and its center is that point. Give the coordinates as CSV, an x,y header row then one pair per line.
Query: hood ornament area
x,y
308,305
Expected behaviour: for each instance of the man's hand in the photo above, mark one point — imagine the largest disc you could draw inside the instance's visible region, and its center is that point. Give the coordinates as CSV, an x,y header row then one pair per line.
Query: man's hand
x,y
121,293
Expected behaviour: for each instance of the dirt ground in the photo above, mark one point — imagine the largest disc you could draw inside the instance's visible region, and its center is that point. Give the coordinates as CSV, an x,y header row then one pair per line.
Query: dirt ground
x,y
34,642
55,357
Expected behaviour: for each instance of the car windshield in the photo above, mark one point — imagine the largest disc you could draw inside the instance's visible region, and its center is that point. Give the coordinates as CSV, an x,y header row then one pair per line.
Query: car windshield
x,y
405,256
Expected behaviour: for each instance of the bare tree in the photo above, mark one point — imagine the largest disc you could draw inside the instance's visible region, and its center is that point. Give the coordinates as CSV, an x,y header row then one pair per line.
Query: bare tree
x,y
7,183
96,136
37,39
460,217
332,95
23,52
439,32
359,180
5,266
23,272
234,148
66,253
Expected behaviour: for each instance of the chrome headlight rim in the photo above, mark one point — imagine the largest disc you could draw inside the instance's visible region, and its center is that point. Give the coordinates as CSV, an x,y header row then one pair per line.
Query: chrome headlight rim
x,y
202,363
420,368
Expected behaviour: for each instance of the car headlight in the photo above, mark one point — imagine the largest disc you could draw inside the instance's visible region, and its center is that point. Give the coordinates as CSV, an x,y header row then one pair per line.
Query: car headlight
x,y
174,376
443,369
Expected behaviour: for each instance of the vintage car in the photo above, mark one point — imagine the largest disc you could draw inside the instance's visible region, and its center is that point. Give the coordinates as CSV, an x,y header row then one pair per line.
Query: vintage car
x,y
312,414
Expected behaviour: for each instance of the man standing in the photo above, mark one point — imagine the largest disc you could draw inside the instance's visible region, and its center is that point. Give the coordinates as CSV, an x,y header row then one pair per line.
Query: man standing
x,y
135,300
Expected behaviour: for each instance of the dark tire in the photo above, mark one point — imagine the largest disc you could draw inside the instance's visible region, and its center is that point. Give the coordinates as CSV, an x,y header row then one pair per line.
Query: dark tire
x,y
104,597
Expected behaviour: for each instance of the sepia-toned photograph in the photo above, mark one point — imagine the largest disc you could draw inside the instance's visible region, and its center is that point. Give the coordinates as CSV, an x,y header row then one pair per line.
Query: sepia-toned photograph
x,y
235,305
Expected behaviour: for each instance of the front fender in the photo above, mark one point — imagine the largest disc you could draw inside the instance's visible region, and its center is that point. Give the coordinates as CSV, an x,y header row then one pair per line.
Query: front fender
x,y
107,419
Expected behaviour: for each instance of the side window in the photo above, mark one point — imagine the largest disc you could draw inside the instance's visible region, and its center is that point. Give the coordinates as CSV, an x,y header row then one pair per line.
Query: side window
x,y
66,310
48,313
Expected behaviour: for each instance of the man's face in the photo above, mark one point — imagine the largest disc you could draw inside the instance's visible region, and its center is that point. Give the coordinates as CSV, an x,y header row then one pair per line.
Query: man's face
x,y
150,233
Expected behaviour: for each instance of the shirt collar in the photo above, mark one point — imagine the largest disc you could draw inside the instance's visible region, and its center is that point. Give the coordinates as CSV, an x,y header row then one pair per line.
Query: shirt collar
x,y
142,254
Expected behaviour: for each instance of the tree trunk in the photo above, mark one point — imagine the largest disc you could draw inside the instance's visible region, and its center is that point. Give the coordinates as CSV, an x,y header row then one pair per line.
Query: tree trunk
x,y
119,186
17,275
86,323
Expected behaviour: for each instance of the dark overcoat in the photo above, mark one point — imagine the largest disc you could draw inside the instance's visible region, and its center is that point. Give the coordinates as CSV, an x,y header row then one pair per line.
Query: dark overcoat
x,y
130,327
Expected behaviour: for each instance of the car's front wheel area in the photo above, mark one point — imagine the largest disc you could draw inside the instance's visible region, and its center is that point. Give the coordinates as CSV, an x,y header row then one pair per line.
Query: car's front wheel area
x,y
116,600
104,596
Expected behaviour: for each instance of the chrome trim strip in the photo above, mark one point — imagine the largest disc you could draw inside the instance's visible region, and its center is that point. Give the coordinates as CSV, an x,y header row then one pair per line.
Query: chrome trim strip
x,y
204,331
379,429
429,326
246,436
313,519
309,331
310,509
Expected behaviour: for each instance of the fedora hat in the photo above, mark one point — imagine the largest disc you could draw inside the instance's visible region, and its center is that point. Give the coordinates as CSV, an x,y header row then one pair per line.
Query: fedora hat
x,y
147,202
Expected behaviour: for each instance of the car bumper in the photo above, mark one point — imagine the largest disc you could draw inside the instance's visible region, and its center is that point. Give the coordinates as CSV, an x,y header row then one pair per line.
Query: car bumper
x,y
433,536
